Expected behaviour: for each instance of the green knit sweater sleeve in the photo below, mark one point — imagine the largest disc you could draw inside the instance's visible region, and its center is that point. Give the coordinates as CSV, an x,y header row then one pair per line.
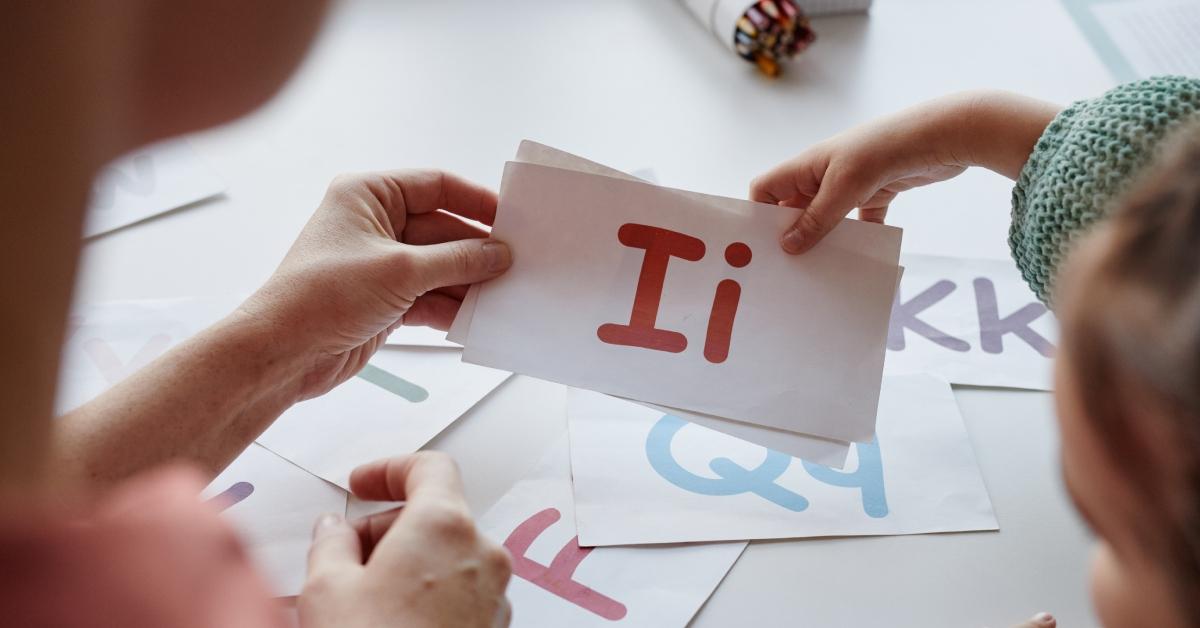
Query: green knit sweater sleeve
x,y
1086,158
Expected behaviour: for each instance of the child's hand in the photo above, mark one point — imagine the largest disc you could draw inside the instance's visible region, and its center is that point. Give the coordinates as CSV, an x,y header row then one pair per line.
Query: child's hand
x,y
866,167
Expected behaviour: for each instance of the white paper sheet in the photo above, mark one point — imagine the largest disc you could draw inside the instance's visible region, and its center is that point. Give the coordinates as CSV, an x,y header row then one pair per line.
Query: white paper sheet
x,y
1155,37
401,401
971,321
785,332
419,336
644,477
151,181
556,583
271,502
274,504
826,451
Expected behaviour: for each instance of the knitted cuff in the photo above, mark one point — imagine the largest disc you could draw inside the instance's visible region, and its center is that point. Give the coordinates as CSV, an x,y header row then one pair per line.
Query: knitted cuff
x,y
1088,155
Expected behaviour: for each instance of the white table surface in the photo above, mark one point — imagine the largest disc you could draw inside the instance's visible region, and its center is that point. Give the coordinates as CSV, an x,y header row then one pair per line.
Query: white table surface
x,y
456,84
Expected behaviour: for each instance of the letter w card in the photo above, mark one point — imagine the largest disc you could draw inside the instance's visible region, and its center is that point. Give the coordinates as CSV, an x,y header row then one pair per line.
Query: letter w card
x,y
642,476
971,321
686,300
556,582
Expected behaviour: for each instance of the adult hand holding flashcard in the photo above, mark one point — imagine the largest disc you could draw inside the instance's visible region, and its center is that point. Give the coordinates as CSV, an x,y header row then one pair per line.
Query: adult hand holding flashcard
x,y
382,248
685,299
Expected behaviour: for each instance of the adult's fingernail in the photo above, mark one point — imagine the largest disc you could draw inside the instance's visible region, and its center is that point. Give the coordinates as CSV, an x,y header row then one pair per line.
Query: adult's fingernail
x,y
498,256
792,240
326,522
1044,619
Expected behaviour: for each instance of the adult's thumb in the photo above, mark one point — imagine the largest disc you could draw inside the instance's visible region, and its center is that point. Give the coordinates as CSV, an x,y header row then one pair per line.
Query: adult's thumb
x,y
461,262
335,546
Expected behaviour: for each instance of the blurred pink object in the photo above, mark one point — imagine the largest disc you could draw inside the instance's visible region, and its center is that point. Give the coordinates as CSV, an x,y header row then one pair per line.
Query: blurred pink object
x,y
150,555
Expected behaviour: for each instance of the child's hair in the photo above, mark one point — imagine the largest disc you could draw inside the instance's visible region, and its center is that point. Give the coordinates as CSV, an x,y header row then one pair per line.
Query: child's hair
x,y
1132,333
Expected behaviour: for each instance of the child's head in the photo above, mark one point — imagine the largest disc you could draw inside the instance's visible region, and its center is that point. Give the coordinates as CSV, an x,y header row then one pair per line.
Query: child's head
x,y
1129,396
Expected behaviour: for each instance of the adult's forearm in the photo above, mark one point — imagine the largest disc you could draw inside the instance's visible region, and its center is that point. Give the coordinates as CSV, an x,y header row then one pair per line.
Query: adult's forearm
x,y
203,402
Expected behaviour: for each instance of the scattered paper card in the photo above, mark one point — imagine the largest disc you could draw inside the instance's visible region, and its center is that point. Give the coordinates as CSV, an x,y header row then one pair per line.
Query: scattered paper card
x,y
401,400
641,476
274,504
151,181
809,330
971,321
558,583
826,451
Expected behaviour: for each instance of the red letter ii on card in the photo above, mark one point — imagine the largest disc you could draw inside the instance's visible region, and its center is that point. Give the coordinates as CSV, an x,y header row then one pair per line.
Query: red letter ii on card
x,y
724,307
660,245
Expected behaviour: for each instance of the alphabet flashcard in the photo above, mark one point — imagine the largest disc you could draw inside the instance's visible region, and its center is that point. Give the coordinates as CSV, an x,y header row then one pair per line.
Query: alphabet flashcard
x,y
146,183
645,476
687,300
273,504
401,400
828,451
971,321
557,582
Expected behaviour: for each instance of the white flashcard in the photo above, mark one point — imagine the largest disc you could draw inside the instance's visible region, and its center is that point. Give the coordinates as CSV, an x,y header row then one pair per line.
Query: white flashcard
x,y
151,181
971,321
401,400
556,582
642,476
631,304
823,450
274,504
420,336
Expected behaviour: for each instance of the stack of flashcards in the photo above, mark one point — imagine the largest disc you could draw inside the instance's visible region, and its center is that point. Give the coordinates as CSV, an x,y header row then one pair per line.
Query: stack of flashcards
x,y
764,32
685,301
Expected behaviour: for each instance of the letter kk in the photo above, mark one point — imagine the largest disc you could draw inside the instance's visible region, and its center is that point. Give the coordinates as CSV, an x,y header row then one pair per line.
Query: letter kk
x,y
660,246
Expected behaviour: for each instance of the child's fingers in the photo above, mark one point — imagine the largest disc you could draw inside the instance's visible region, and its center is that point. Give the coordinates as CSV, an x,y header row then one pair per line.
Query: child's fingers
x,y
837,196
796,177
